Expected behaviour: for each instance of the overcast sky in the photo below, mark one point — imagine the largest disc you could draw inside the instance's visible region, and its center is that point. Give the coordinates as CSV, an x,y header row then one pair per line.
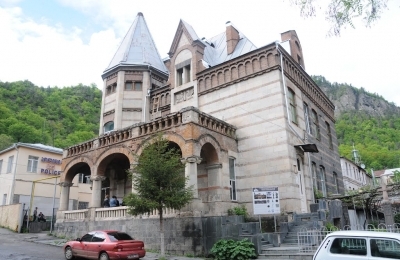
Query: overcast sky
x,y
67,42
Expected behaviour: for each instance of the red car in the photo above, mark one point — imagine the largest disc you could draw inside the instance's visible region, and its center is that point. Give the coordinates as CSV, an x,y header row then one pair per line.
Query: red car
x,y
105,245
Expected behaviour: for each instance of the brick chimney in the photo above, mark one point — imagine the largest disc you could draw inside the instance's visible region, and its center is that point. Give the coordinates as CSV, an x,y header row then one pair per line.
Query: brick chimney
x,y
295,46
232,37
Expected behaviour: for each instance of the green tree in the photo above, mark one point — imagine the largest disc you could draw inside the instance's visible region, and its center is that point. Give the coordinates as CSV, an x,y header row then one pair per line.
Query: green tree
x,y
341,13
159,182
5,141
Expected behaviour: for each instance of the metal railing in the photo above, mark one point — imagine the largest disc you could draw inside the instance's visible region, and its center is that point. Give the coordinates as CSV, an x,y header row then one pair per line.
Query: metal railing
x,y
310,239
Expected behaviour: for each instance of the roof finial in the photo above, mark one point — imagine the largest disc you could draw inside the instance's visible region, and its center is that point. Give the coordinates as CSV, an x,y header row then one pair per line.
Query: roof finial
x,y
140,14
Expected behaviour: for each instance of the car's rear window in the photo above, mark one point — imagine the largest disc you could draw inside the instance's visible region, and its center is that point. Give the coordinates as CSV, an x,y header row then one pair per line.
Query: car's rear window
x,y
116,236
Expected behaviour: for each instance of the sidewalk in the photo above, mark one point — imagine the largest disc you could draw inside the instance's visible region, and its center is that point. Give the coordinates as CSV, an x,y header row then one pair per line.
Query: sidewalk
x,y
45,238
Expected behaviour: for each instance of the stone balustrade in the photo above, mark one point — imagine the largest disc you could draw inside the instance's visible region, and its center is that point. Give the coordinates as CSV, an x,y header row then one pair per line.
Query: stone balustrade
x,y
75,214
191,114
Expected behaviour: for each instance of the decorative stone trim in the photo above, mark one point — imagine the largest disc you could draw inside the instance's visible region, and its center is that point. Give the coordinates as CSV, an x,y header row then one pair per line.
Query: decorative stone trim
x,y
65,184
192,159
97,178
184,95
131,110
214,166
109,112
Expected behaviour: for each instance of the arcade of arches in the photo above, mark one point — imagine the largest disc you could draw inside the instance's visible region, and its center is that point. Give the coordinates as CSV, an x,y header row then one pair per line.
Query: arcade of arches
x,y
206,158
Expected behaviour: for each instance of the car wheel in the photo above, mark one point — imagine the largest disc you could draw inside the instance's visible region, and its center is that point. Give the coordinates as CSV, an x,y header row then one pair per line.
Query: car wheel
x,y
68,253
104,256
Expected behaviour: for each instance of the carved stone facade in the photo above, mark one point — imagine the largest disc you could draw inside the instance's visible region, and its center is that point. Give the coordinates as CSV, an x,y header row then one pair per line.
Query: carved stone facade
x,y
241,120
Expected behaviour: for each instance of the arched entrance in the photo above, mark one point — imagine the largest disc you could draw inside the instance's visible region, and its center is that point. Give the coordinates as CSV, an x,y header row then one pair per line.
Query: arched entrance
x,y
114,170
209,174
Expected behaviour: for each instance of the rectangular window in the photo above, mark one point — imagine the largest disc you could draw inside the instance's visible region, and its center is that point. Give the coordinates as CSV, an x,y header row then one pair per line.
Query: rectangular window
x,y
307,118
32,163
292,106
179,76
4,199
315,125
1,165
10,164
336,183
232,177
349,246
186,74
138,86
385,248
128,86
328,130
314,175
323,180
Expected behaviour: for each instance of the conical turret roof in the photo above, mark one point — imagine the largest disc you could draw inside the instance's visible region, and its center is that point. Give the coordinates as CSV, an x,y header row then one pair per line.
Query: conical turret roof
x,y
137,48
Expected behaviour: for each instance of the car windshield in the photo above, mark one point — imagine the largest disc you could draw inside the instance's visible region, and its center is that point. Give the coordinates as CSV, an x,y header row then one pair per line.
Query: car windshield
x,y
116,236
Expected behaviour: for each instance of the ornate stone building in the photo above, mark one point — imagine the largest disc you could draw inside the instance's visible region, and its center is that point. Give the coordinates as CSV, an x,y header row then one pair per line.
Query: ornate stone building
x,y
242,117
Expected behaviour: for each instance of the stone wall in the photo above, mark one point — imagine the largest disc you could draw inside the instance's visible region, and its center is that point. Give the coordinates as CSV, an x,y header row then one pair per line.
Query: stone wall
x,y
187,235
11,217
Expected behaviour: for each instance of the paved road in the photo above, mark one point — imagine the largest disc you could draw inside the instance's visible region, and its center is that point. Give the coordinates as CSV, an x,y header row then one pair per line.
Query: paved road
x,y
15,246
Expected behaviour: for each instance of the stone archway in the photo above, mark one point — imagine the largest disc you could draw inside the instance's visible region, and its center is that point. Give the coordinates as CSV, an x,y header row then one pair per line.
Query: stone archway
x,y
209,174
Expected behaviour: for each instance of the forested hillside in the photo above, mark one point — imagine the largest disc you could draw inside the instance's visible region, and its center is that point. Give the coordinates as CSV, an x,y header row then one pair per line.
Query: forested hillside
x,y
62,117
53,116
366,120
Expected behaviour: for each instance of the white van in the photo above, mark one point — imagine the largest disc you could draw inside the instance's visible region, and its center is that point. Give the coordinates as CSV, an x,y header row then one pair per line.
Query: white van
x,y
371,245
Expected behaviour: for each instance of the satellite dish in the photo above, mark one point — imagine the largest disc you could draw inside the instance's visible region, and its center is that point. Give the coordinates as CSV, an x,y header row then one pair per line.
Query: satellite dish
x,y
362,166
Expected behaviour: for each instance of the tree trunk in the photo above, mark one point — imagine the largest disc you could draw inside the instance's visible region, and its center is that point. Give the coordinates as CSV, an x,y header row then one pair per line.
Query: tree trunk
x,y
162,234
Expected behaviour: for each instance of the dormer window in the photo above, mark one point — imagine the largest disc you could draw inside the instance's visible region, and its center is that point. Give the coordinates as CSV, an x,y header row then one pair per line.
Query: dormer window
x,y
183,73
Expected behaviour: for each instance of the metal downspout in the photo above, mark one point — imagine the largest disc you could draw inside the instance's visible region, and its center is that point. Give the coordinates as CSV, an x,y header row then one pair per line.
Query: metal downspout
x,y
289,123
14,175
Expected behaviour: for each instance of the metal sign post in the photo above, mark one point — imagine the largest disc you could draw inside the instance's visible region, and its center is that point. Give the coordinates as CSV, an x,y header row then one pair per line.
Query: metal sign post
x,y
266,202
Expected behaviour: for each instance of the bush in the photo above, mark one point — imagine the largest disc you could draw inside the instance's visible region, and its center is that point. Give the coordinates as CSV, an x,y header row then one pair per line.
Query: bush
x,y
240,211
397,218
233,250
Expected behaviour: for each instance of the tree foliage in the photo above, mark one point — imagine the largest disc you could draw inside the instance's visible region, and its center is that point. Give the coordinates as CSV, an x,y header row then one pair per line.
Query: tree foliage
x,y
59,117
342,13
159,181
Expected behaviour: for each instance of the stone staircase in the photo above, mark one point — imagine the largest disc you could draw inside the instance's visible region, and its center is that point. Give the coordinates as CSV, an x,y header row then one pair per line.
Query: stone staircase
x,y
289,248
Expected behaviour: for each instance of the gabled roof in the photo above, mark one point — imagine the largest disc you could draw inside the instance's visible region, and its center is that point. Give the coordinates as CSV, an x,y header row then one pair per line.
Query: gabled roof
x,y
216,51
137,48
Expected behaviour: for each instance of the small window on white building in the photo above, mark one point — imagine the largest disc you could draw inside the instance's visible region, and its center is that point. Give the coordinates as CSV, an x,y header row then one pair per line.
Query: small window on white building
x,y
32,163
10,164
4,199
1,165
232,177
109,126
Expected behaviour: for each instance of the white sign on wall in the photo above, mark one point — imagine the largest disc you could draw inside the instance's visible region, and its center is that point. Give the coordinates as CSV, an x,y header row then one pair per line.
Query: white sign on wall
x,y
266,201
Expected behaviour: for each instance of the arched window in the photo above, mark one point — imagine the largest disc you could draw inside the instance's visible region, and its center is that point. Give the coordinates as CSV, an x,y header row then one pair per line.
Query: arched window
x,y
336,183
329,133
315,125
232,177
322,179
109,126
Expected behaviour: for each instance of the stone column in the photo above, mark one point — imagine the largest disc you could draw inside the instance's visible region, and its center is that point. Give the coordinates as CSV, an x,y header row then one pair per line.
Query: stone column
x,y
96,190
64,197
191,172
386,205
